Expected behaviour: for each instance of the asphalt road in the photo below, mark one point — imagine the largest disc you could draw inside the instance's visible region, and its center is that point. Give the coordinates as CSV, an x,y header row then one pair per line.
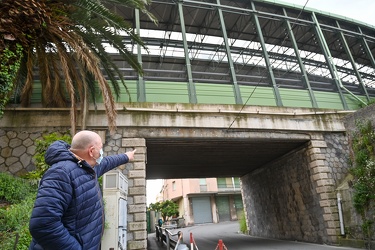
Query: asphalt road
x,y
207,237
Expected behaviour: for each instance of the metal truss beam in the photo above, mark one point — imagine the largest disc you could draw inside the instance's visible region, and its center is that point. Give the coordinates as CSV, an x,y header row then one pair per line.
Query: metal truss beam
x,y
237,93
141,88
300,62
329,60
367,48
351,59
191,86
267,59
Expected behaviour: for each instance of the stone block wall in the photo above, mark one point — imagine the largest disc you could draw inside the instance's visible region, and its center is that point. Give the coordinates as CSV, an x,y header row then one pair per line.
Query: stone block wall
x,y
17,150
294,197
336,155
280,203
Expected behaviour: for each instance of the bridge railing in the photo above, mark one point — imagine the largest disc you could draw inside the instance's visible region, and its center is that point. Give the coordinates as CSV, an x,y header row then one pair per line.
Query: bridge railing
x,y
164,235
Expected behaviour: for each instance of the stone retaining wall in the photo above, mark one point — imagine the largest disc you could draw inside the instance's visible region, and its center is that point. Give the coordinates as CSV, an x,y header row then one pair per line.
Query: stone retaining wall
x,y
17,151
296,194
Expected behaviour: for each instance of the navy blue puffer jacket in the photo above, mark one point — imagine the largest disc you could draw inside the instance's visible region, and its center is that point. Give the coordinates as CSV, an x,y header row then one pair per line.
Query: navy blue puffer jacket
x,y
68,212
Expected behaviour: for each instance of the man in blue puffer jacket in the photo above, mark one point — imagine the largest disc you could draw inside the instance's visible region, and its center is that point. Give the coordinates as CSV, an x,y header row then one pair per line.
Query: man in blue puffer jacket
x,y
68,212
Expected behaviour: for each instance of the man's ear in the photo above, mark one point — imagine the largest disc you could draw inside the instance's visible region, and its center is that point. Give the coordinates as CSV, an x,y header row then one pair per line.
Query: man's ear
x,y
91,151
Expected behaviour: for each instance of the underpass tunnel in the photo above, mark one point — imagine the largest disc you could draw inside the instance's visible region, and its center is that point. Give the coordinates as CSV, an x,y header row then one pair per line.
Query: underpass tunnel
x,y
287,183
215,157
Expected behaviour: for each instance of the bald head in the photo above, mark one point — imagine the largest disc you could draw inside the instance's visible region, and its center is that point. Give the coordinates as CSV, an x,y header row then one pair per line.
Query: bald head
x,y
85,139
87,145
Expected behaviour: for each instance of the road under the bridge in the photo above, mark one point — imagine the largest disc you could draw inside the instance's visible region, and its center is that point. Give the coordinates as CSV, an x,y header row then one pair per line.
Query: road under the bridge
x,y
175,158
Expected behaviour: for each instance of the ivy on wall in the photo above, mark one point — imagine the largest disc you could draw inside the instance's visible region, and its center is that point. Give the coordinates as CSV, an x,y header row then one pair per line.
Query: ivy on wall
x,y
9,64
363,160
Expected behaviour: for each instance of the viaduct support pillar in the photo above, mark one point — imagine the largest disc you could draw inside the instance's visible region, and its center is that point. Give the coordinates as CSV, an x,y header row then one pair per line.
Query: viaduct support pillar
x,y
136,172
325,189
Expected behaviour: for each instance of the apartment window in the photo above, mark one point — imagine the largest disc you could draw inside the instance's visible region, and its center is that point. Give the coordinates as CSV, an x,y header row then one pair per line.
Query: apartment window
x,y
228,183
203,185
224,183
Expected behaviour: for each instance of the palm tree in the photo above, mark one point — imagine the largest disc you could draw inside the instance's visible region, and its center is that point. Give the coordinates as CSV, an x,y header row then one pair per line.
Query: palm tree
x,y
64,40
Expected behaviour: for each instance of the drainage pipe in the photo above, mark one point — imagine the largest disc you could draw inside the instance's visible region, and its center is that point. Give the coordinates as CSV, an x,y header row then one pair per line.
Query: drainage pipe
x,y
339,199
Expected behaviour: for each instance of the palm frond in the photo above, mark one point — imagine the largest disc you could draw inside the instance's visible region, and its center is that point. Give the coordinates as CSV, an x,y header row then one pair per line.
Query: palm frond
x,y
65,40
28,86
135,4
89,60
96,35
44,75
69,85
97,10
58,91
105,59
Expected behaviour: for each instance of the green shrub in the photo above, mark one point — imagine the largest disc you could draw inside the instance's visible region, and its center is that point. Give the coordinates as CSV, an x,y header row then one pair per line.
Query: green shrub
x,y
13,189
21,239
17,197
14,216
242,221
7,240
363,170
41,148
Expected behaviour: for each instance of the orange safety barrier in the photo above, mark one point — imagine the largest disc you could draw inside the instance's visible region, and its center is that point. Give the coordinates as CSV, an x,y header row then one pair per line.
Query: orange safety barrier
x,y
221,245
192,242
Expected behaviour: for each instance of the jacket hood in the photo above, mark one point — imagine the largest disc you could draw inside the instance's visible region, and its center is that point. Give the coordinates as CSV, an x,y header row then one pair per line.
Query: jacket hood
x,y
58,151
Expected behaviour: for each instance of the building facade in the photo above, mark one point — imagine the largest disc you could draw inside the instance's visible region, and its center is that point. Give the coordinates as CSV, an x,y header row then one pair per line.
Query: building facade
x,y
205,200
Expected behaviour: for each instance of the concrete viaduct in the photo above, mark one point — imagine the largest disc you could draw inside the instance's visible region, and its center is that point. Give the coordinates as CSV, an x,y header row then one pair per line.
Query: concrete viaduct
x,y
290,160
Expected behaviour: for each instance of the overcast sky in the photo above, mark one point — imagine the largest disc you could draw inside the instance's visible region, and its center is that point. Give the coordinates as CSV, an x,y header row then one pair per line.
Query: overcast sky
x,y
361,10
